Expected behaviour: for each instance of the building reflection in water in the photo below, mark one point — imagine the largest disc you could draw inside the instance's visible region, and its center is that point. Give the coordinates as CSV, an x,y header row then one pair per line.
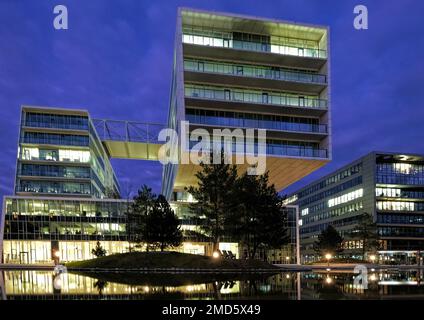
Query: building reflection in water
x,y
47,285
287,286
2,287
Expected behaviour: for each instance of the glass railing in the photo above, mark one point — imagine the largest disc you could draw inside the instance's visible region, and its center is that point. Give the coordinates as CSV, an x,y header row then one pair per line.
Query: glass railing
x,y
251,123
253,97
280,150
57,125
253,46
256,72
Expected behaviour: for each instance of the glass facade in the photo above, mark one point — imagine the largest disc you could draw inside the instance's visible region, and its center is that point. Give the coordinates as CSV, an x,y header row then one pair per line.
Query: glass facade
x,y
40,251
400,173
253,42
84,148
399,202
36,226
333,179
254,96
273,73
63,155
43,120
55,139
390,187
55,171
400,219
251,120
281,148
57,187
339,188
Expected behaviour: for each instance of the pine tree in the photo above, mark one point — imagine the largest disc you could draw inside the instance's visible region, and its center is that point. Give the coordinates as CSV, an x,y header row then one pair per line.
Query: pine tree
x,y
214,195
138,213
163,226
259,221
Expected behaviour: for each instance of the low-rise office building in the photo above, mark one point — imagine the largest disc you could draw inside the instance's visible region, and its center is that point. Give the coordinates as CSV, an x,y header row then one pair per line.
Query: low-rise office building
x,y
388,186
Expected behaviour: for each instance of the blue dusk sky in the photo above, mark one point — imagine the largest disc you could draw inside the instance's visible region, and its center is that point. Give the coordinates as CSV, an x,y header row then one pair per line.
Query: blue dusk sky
x,y
115,60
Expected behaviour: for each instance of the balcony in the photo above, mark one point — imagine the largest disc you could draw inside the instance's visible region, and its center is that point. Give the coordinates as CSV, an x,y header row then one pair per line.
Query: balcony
x,y
249,51
294,104
254,123
278,150
253,76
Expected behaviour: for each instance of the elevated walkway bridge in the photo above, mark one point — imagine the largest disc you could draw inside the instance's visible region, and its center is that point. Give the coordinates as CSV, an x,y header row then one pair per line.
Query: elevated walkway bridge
x,y
129,139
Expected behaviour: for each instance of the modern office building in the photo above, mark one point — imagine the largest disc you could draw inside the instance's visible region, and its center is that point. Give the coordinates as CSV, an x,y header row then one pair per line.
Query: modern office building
x,y
234,71
65,191
60,153
230,71
67,196
388,186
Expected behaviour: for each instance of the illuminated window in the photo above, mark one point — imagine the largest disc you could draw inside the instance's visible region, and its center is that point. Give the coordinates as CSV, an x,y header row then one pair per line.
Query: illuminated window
x,y
346,198
305,212
74,155
402,167
387,192
30,153
395,205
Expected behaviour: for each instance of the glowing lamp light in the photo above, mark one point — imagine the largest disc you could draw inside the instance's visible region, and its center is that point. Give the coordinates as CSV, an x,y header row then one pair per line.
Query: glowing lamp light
x,y
328,256
328,280
215,255
57,254
372,258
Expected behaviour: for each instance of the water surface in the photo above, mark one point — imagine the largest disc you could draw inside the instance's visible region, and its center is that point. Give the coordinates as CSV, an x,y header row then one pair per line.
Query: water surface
x,y
35,285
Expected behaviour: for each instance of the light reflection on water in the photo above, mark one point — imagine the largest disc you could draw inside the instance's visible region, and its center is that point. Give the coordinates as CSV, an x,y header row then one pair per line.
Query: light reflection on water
x,y
26,284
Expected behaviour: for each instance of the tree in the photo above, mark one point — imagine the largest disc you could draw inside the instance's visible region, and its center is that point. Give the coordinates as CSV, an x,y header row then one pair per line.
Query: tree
x,y
329,241
214,195
367,232
98,251
259,221
138,213
162,228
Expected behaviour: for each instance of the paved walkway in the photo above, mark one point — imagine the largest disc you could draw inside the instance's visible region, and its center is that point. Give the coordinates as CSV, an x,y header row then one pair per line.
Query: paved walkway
x,y
9,266
345,267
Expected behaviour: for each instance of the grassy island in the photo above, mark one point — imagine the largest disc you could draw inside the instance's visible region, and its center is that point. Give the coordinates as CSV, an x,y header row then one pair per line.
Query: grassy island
x,y
168,260
169,268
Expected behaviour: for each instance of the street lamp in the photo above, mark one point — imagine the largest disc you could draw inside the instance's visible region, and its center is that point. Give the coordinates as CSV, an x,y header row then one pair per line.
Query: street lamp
x,y
372,258
215,254
288,259
328,257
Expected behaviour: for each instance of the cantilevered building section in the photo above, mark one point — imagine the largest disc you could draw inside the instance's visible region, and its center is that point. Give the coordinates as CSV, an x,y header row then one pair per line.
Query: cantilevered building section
x,y
233,71
388,186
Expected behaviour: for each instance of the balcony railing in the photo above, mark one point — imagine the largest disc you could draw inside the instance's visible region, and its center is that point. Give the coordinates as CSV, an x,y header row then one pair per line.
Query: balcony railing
x,y
256,72
253,97
279,150
57,125
251,123
223,42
